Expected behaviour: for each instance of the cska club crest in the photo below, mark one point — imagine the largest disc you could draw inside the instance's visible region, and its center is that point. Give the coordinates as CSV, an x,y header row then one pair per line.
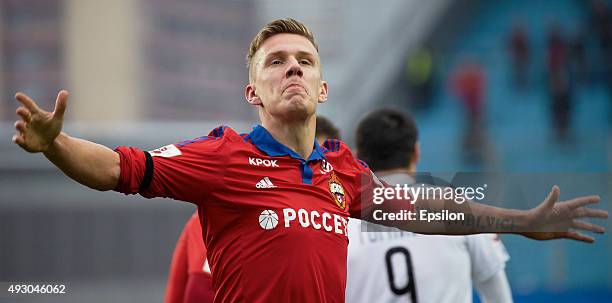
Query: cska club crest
x,y
337,191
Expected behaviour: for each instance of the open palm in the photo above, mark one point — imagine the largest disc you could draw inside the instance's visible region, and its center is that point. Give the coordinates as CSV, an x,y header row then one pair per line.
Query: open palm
x,y
38,128
562,220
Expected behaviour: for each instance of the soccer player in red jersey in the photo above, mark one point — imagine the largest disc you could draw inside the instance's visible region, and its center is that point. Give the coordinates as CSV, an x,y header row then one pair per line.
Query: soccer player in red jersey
x,y
189,279
274,203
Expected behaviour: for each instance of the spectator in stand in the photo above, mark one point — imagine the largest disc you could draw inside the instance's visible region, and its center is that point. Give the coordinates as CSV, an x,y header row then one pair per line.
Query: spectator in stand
x,y
468,83
559,82
518,45
420,74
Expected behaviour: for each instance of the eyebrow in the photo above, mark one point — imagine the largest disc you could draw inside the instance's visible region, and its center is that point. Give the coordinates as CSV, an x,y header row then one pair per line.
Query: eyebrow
x,y
282,53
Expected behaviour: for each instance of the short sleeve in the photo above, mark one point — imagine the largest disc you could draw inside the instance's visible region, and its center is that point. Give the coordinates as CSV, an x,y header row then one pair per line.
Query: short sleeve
x,y
187,171
487,254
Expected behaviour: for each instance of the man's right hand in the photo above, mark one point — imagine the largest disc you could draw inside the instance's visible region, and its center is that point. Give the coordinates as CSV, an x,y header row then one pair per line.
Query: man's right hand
x,y
86,162
37,128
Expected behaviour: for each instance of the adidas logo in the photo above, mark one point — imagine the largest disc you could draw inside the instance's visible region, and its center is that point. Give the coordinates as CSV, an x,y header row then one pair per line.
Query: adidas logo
x,y
265,183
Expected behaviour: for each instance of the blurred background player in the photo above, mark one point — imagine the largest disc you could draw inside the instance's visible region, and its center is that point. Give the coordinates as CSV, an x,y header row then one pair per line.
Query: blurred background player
x,y
189,279
394,266
326,130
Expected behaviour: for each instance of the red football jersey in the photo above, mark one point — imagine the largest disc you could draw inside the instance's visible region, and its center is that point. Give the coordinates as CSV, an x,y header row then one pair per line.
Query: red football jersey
x,y
189,280
274,224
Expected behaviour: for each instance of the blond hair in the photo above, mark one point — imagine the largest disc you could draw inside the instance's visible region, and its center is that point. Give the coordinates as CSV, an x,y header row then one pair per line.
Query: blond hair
x,y
278,26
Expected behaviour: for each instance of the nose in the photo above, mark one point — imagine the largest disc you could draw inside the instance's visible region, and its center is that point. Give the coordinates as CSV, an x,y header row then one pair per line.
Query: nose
x,y
294,70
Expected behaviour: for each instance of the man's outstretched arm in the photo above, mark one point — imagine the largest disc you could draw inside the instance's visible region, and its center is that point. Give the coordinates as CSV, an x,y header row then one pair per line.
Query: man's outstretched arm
x,y
551,219
86,162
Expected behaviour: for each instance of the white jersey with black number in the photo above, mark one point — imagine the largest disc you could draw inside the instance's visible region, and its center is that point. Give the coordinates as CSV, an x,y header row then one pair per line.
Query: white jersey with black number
x,y
397,266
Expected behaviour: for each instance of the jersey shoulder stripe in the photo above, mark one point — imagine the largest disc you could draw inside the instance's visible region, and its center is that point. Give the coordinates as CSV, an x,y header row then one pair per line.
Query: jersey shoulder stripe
x,y
333,145
215,134
363,164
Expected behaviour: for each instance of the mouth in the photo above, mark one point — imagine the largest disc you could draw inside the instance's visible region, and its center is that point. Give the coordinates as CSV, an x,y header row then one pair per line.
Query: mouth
x,y
294,86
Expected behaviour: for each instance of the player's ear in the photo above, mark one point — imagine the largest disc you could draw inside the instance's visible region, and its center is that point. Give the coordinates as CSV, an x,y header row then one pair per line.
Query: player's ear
x,y
250,95
323,92
416,154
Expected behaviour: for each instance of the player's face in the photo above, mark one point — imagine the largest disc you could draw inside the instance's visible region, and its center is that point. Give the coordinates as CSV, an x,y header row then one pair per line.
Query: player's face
x,y
287,78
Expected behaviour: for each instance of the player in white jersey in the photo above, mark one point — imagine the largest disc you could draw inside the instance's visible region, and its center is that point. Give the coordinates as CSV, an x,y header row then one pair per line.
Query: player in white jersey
x,y
389,265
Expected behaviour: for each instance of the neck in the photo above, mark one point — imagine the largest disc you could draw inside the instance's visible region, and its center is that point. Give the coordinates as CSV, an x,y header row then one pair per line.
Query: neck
x,y
409,170
297,135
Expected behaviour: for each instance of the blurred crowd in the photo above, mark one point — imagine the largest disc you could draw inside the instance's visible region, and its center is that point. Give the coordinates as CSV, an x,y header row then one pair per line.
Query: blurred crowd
x,y
570,56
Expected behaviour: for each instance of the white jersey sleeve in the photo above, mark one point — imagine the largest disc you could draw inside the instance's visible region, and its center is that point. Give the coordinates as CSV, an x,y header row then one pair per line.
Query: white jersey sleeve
x,y
488,256
495,289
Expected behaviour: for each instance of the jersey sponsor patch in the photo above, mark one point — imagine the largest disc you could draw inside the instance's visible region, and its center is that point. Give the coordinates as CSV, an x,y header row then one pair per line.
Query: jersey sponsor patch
x,y
268,219
324,221
167,151
262,162
326,167
337,191
265,183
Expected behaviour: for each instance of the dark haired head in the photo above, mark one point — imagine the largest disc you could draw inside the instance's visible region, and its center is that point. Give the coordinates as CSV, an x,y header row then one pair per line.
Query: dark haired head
x,y
386,139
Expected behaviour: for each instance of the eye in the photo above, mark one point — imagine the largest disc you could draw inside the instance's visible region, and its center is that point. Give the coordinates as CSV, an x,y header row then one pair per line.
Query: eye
x,y
305,62
276,62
